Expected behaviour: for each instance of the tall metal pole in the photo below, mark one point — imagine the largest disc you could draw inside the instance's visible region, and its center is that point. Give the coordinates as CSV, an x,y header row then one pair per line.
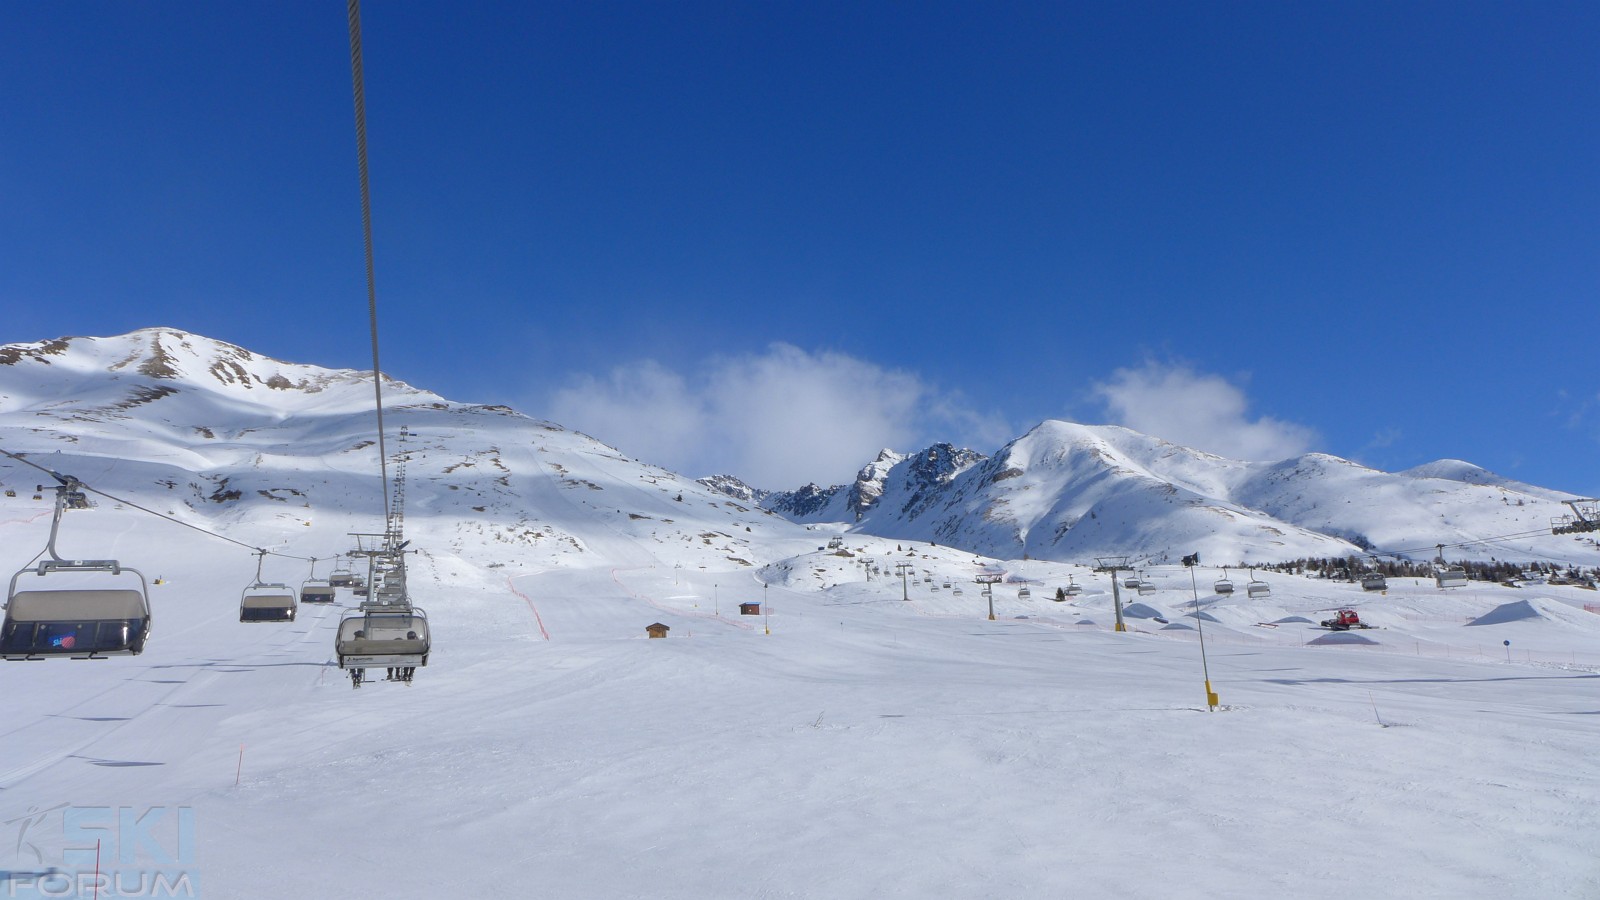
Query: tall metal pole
x,y
988,582
1114,564
903,568
766,606
1194,586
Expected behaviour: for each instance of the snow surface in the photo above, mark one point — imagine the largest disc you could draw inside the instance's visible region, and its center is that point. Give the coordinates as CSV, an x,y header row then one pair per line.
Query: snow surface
x,y
847,743
1071,492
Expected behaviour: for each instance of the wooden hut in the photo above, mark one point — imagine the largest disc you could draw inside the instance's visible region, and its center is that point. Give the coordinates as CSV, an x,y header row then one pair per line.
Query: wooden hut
x,y
749,609
657,630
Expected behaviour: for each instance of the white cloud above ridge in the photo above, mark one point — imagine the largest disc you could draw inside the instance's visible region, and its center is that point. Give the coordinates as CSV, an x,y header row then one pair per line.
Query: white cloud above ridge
x,y
776,419
1204,411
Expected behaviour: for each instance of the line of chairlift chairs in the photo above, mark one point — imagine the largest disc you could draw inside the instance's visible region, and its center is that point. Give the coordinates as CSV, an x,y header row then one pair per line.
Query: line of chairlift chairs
x,y
385,630
111,616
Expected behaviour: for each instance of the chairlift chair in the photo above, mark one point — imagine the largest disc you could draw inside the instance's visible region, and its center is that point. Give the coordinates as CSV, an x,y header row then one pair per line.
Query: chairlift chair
x,y
263,602
1257,588
1451,577
1374,581
341,576
80,623
1132,581
1073,588
1146,587
112,619
1023,593
394,636
316,591
1223,585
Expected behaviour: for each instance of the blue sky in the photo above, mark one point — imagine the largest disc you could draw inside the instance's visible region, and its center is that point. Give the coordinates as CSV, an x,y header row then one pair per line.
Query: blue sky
x,y
770,237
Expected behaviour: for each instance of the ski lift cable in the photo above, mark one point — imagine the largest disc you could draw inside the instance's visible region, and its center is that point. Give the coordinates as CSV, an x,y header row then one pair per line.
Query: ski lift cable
x,y
1488,540
67,479
359,90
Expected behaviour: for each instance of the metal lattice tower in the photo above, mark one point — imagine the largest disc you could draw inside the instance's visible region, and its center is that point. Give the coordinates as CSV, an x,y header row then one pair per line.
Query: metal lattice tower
x,y
396,525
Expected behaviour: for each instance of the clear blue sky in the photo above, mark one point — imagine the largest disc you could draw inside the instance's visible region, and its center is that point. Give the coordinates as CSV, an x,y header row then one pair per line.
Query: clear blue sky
x,y
1369,229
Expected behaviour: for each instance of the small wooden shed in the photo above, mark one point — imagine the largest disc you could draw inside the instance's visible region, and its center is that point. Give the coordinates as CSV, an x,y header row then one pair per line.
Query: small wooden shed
x,y
749,609
657,630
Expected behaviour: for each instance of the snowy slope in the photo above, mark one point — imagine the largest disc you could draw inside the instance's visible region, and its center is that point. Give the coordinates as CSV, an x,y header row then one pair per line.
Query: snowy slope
x,y
1071,492
846,744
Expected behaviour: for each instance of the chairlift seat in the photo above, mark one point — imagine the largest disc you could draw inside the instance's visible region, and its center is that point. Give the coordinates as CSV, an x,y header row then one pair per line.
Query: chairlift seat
x,y
267,603
1451,578
83,624
383,638
1223,586
1374,582
1146,587
1074,590
1024,593
316,592
1258,589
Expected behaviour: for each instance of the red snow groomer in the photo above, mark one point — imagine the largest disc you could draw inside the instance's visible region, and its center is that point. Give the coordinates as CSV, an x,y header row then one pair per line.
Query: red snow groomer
x,y
1344,621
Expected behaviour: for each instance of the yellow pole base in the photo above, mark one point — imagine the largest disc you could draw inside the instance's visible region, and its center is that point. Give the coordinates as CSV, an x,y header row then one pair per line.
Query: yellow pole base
x,y
1211,697
1121,627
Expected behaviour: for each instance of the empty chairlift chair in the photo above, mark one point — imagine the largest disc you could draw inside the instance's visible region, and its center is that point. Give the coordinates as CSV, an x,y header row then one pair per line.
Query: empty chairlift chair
x,y
1451,577
262,602
1023,593
79,622
1374,581
395,637
315,590
1223,587
1073,588
1257,588
91,610
1146,586
342,577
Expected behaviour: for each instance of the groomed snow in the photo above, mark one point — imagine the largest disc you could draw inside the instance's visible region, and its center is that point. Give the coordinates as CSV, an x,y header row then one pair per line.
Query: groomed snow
x,y
846,743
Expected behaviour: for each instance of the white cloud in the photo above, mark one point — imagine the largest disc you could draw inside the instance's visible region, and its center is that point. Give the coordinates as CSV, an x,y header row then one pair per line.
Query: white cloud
x,y
1178,404
776,419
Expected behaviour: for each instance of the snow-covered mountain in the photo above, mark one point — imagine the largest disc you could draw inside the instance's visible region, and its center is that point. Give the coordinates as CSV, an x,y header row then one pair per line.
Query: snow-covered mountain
x,y
225,438
1071,492
219,431
880,713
